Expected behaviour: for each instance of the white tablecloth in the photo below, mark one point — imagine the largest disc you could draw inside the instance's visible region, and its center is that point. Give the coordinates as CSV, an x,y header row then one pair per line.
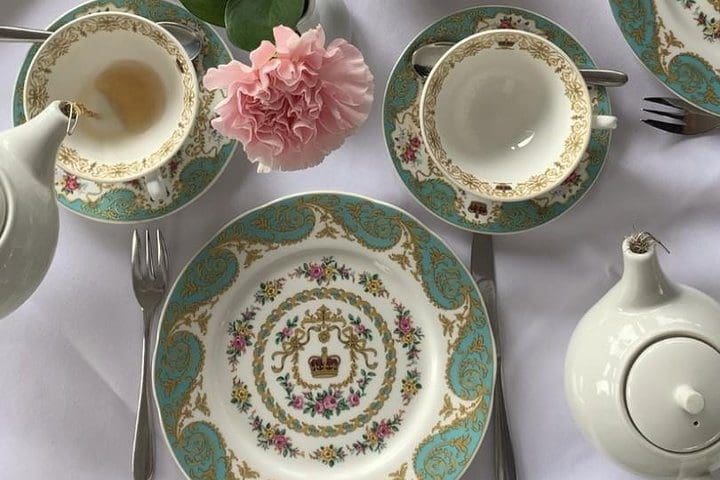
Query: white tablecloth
x,y
70,356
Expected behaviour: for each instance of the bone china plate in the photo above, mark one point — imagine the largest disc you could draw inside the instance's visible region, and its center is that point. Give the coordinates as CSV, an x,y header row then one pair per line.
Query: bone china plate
x,y
679,42
324,336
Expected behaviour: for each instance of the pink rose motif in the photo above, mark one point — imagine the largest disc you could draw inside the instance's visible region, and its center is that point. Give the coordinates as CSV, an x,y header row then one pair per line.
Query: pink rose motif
x,y
405,324
316,271
573,179
280,442
296,102
354,399
319,407
360,329
298,402
70,183
329,402
383,430
409,154
238,343
287,332
506,22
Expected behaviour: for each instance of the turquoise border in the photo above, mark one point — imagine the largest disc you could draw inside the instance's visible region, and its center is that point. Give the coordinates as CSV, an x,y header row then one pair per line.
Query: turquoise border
x,y
199,448
120,205
437,195
688,76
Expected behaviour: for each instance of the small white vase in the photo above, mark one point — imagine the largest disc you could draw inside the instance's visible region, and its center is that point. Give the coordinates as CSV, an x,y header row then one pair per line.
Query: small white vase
x,y
333,15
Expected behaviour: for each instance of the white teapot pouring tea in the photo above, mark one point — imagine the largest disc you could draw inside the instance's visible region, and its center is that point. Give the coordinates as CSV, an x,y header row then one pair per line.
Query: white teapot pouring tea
x,y
28,209
642,374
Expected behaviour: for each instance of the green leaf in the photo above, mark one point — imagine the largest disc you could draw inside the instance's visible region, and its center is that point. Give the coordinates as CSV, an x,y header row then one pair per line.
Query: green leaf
x,y
212,11
249,22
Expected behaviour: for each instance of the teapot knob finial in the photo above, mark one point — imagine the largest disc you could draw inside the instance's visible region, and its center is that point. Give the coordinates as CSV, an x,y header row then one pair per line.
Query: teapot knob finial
x,y
689,399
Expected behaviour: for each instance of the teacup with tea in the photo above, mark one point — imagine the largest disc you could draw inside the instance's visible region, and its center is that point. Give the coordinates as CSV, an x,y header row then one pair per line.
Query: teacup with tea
x,y
135,89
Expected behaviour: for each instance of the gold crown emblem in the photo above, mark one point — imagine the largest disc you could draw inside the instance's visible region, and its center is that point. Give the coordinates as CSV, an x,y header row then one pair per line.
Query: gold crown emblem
x,y
324,366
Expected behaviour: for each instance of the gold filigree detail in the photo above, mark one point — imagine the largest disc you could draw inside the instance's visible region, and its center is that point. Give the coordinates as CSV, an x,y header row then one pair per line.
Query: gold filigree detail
x,y
59,45
399,474
261,380
575,92
324,323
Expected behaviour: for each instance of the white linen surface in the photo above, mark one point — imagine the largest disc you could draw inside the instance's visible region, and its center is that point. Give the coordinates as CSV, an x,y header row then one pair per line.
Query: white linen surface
x,y
71,354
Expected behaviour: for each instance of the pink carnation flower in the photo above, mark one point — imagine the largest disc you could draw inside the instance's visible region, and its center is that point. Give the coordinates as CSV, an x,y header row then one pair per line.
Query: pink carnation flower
x,y
297,102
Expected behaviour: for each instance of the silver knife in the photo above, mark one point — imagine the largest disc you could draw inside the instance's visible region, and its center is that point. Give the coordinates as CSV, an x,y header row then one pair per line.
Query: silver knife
x,y
482,267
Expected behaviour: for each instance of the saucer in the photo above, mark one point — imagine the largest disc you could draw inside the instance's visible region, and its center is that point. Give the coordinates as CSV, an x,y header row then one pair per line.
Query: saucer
x,y
324,336
424,178
679,42
189,173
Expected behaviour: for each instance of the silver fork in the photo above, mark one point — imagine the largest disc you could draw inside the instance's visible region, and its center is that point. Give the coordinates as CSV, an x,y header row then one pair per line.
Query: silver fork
x,y
482,268
149,277
689,120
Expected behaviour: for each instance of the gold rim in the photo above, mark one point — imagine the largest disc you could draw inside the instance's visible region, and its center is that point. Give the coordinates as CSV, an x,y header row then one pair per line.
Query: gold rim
x,y
58,45
575,91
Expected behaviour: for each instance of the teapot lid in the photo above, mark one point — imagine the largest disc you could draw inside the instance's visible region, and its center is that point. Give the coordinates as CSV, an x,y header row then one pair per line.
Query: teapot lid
x,y
672,394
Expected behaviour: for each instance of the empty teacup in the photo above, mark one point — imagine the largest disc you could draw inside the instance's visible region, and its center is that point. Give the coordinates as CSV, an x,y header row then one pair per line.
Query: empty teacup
x,y
136,90
507,115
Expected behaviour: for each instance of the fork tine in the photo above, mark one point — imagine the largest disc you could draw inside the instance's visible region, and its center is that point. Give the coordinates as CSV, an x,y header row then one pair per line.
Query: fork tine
x,y
667,127
148,254
676,116
661,101
135,255
162,269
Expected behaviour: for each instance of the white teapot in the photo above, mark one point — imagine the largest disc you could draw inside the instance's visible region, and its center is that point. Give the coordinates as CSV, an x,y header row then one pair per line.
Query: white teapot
x,y
642,374
28,209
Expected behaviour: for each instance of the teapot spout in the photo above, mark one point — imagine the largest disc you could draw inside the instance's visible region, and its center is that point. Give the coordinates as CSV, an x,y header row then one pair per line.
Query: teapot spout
x,y
643,283
35,143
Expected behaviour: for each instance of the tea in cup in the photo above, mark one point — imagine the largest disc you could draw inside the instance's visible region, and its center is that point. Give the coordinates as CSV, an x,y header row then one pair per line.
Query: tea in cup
x,y
136,90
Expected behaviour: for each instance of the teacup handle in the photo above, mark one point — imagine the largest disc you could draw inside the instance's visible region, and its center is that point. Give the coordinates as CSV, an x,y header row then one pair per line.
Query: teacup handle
x,y
157,187
604,122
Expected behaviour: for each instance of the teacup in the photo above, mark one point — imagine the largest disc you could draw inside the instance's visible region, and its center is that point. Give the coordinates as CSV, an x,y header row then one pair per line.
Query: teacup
x,y
506,115
136,90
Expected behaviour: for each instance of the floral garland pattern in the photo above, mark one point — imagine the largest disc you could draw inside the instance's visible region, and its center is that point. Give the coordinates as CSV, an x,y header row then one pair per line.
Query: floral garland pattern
x,y
376,434
241,336
330,455
407,333
328,402
273,436
323,272
240,396
331,401
269,291
709,25
373,285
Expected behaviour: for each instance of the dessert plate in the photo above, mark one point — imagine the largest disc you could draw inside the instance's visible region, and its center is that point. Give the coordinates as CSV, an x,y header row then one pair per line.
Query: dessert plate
x,y
324,336
679,42
189,173
424,178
